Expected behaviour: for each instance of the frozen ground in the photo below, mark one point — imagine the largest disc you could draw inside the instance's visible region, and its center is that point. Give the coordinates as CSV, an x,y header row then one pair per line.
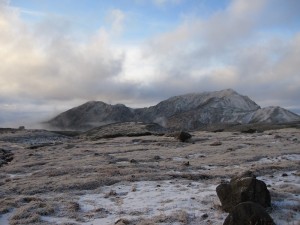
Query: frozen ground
x,y
145,180
179,201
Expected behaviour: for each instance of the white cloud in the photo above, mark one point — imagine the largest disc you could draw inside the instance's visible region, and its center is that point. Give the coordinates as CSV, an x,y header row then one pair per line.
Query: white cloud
x,y
229,49
160,3
56,67
165,2
45,65
116,18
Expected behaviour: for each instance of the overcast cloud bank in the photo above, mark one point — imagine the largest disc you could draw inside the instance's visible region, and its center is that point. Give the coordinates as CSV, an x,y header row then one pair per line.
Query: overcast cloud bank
x,y
46,68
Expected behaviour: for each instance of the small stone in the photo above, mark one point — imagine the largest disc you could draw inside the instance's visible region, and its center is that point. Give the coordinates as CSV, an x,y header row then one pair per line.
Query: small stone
x,y
157,157
186,163
284,175
216,143
204,216
122,222
133,161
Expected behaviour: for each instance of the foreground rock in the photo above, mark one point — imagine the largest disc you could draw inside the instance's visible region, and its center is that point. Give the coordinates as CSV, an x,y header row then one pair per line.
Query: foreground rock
x,y
248,213
243,188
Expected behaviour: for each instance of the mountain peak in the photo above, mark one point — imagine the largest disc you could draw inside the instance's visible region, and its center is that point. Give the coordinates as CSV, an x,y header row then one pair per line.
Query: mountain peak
x,y
189,111
228,91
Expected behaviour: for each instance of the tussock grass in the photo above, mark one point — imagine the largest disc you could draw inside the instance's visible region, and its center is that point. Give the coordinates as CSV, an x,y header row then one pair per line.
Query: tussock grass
x,y
30,213
42,181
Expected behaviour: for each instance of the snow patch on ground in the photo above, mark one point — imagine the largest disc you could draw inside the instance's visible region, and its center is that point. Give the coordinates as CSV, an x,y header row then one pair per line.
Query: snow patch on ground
x,y
148,199
18,175
290,157
4,218
285,210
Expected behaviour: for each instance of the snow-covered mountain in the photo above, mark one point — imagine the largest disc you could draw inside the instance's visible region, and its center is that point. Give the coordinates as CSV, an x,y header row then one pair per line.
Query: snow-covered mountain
x,y
271,114
190,111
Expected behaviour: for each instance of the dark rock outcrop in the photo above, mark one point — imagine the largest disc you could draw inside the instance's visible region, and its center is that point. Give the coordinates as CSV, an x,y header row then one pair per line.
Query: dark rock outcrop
x,y
127,129
6,156
183,136
243,188
248,213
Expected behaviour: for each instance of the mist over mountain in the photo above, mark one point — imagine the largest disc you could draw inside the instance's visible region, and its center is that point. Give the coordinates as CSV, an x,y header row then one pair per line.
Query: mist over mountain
x,y
189,111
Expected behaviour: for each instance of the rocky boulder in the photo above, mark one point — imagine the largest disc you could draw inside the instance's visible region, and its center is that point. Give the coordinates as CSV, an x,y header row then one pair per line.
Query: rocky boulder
x,y
183,136
243,188
6,156
248,213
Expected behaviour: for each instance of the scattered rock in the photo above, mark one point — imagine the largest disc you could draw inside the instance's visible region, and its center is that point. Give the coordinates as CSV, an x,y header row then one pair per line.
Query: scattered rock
x,y
110,194
248,213
21,128
294,139
133,189
73,206
122,222
218,130
133,161
183,136
216,143
186,163
157,157
243,188
249,131
6,156
204,216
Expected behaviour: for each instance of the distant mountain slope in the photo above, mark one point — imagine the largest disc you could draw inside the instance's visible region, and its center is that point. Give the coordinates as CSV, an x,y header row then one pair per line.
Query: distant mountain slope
x,y
272,115
92,114
129,129
190,111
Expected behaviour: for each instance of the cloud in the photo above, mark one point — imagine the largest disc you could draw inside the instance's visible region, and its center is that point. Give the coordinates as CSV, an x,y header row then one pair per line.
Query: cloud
x,y
165,2
116,18
231,49
45,65
56,67
160,3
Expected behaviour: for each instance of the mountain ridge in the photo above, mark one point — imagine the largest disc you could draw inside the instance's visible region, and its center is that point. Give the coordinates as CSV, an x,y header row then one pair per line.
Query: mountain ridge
x,y
188,111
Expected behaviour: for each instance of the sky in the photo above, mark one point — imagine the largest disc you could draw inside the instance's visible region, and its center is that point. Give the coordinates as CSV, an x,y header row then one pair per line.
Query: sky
x,y
58,54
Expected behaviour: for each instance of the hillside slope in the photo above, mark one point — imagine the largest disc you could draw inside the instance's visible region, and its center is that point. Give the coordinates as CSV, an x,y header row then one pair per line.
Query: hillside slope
x,y
190,111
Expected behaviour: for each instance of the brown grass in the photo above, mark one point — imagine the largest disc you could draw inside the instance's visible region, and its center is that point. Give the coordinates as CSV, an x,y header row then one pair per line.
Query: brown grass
x,y
80,166
30,213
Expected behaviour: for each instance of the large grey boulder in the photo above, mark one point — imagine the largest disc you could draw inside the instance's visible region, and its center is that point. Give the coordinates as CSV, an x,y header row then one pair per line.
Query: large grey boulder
x,y
243,188
248,213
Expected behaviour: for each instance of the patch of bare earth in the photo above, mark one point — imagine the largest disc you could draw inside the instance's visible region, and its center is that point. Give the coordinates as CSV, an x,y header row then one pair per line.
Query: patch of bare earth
x,y
143,180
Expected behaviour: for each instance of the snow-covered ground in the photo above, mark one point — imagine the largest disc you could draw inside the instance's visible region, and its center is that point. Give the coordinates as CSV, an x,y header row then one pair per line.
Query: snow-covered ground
x,y
150,199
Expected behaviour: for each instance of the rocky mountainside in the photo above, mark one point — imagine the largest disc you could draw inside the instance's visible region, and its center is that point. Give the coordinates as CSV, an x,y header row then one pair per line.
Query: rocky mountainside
x,y
126,129
190,111
92,114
